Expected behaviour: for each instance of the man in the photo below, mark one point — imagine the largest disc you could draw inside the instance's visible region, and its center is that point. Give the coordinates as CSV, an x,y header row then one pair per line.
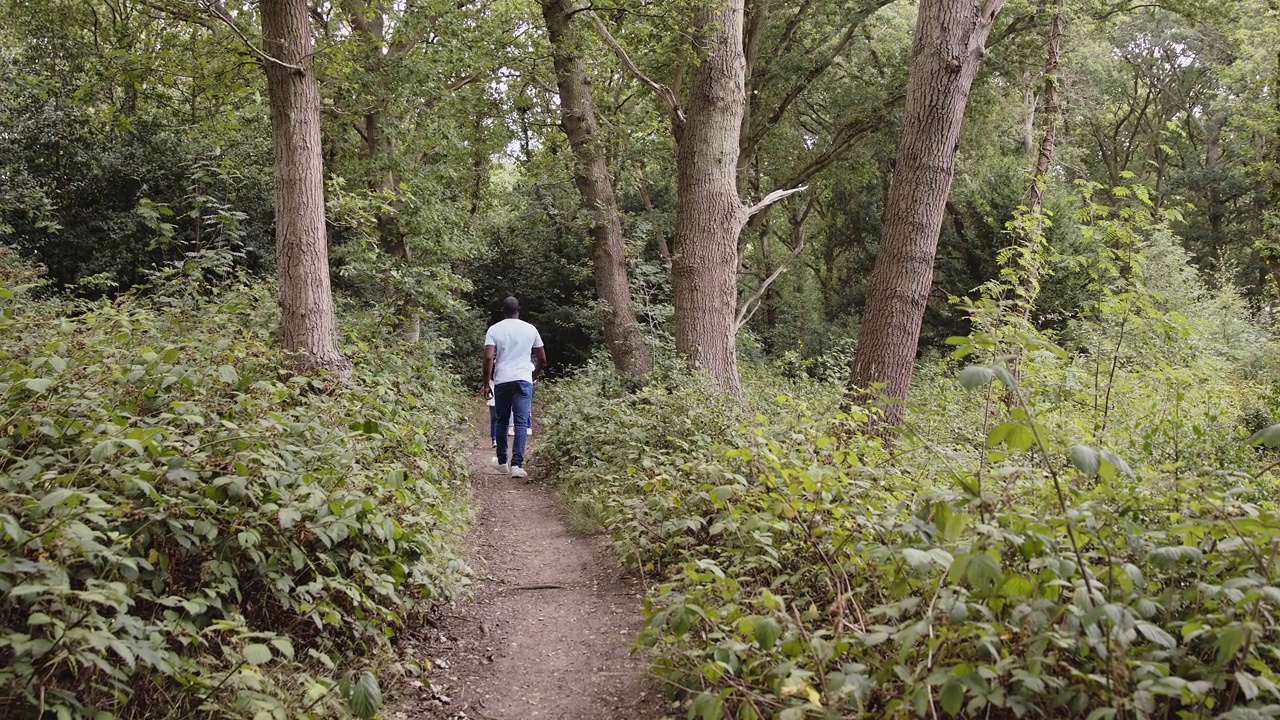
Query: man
x,y
507,346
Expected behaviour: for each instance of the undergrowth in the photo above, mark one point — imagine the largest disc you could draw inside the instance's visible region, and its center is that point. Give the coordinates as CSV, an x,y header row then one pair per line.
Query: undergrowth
x,y
189,531
801,568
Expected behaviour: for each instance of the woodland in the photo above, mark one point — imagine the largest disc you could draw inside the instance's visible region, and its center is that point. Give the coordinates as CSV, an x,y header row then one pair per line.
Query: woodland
x,y
919,356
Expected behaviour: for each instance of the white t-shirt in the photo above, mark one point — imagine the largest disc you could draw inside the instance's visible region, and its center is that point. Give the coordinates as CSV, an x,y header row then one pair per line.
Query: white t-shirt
x,y
513,341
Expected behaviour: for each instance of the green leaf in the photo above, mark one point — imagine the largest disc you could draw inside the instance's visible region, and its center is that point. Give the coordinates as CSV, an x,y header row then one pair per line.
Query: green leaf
x,y
1157,635
284,646
1247,685
1230,640
1086,459
766,632
228,374
1269,436
366,697
257,654
952,697
1020,438
723,493
58,497
706,707
983,572
1005,377
289,517
38,385
1016,586
103,450
1117,462
976,376
999,433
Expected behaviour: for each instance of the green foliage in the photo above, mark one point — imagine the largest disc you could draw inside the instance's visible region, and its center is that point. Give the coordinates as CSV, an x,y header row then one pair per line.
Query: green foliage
x,y
186,529
1017,566
125,142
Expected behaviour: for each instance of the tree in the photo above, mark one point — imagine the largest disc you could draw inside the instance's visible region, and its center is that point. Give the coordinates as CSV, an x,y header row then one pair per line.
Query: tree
x,y
709,214
580,120
947,52
309,329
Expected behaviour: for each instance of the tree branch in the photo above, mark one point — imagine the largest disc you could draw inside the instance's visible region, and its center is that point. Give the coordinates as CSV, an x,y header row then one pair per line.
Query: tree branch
x,y
784,42
663,92
751,140
215,9
747,311
173,13
774,197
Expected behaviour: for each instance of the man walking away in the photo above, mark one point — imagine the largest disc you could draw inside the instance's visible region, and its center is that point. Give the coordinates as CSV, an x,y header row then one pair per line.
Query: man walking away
x,y
507,346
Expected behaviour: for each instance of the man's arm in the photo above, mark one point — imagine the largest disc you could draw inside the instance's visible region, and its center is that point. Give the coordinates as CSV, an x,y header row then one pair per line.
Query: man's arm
x,y
489,353
539,354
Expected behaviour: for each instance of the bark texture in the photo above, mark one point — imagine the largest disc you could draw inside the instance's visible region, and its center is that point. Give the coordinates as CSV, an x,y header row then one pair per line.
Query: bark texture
x,y
946,54
309,329
580,120
709,214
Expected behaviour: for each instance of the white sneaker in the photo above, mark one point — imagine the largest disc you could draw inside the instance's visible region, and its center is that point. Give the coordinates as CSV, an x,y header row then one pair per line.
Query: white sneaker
x,y
528,432
511,430
518,472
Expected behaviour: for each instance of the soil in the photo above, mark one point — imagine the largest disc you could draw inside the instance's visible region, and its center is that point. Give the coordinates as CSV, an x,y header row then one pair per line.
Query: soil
x,y
548,633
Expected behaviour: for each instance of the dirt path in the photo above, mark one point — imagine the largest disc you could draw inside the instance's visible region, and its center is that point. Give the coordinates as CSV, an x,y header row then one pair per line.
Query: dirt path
x,y
548,634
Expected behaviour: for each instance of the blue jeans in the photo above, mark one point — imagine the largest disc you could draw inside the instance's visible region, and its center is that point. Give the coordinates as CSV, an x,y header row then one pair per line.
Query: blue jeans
x,y
513,399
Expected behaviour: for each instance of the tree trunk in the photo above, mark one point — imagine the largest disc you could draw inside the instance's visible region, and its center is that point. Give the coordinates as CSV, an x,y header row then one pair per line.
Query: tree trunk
x,y
946,55
309,329
579,117
1034,239
709,214
659,238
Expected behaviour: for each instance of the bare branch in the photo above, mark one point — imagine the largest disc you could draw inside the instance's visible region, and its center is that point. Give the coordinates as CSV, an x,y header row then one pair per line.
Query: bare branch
x,y
774,197
663,92
747,310
989,10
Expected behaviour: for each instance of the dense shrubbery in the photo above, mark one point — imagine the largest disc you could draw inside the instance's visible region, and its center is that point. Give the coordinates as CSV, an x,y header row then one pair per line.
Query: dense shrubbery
x,y
189,531
803,569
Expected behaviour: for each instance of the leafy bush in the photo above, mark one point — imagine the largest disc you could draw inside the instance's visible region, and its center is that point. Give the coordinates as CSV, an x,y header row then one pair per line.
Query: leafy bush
x,y
187,530
802,569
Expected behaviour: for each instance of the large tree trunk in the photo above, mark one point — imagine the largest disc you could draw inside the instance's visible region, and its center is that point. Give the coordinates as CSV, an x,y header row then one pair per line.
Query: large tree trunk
x,y
307,320
591,175
709,214
946,55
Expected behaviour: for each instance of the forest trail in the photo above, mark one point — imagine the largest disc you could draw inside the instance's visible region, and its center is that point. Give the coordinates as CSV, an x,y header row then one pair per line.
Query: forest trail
x,y
549,631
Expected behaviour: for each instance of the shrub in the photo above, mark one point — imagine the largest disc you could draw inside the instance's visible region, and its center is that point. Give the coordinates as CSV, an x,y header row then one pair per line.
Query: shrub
x,y
801,569
188,530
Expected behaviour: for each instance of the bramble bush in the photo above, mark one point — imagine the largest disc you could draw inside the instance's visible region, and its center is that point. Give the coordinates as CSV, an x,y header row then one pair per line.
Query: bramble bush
x,y
801,569
1096,536
190,531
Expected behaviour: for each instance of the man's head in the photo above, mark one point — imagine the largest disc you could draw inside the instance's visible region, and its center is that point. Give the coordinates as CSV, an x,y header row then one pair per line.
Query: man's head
x,y
511,307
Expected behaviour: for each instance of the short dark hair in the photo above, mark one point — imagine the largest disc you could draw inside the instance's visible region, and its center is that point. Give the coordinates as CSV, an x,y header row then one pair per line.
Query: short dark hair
x,y
510,307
